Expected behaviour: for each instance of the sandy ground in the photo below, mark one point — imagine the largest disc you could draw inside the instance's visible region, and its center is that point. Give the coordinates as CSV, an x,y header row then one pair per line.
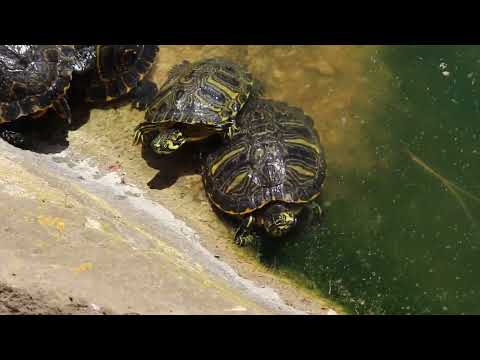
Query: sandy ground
x,y
79,239
19,302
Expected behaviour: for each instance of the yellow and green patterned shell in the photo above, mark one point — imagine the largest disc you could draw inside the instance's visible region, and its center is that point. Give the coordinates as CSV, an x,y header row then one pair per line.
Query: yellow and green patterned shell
x,y
276,156
208,93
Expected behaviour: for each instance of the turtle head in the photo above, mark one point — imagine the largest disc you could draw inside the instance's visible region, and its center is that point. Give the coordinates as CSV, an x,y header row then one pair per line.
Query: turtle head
x,y
278,219
168,142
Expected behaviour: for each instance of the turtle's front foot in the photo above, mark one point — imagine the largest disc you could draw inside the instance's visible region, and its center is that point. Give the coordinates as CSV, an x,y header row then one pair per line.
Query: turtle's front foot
x,y
314,212
144,94
232,130
244,238
244,234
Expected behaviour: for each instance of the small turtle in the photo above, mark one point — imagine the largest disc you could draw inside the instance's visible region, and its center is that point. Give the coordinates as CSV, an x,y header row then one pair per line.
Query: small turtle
x,y
269,171
111,71
33,79
197,100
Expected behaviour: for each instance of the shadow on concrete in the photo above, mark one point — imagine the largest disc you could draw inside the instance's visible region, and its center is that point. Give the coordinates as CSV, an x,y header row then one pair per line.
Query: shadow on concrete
x,y
48,134
186,161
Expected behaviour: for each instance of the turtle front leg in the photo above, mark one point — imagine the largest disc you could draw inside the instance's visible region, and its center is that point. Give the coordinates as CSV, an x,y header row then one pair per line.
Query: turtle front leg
x,y
314,212
144,94
244,234
232,130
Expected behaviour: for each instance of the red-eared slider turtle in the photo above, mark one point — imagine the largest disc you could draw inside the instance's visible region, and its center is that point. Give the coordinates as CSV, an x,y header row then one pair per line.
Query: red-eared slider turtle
x,y
33,79
112,71
269,171
197,100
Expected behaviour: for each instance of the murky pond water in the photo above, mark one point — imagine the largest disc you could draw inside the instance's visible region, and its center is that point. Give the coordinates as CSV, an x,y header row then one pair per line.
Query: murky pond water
x,y
401,132
402,202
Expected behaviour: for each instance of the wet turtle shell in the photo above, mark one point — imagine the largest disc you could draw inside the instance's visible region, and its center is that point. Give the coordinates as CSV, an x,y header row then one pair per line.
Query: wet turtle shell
x,y
118,69
207,94
34,78
276,157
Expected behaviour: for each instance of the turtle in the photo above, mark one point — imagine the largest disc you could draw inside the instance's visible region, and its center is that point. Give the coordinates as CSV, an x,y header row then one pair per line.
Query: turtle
x,y
196,101
272,169
111,71
33,79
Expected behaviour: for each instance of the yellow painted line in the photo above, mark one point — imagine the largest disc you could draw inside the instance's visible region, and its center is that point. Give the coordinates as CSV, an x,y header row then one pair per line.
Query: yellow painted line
x,y
55,222
83,267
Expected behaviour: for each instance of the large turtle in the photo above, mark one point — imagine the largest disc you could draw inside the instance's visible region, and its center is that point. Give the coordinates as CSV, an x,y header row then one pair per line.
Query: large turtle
x,y
111,71
269,171
197,100
33,79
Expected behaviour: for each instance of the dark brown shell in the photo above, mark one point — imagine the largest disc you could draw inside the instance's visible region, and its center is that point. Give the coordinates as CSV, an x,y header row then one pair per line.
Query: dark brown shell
x,y
276,156
33,77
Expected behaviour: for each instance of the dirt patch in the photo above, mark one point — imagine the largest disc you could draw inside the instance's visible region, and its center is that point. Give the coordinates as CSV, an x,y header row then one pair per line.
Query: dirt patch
x,y
15,301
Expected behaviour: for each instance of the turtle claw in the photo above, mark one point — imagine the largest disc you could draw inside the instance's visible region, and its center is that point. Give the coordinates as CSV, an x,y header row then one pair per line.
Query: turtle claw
x,y
244,234
232,130
244,239
137,138
315,212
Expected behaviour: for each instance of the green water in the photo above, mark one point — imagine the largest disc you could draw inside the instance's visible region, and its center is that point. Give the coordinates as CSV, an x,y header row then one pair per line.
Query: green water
x,y
397,239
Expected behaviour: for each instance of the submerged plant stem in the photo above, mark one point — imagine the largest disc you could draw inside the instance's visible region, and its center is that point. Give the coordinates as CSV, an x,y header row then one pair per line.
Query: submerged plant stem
x,y
451,186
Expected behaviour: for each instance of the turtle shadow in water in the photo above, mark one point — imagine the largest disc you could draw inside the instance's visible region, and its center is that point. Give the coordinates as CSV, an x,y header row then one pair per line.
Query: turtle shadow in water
x,y
186,161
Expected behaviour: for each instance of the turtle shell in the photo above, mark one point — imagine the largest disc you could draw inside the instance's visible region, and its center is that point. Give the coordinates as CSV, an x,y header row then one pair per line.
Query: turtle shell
x,y
276,156
209,93
32,78
119,69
